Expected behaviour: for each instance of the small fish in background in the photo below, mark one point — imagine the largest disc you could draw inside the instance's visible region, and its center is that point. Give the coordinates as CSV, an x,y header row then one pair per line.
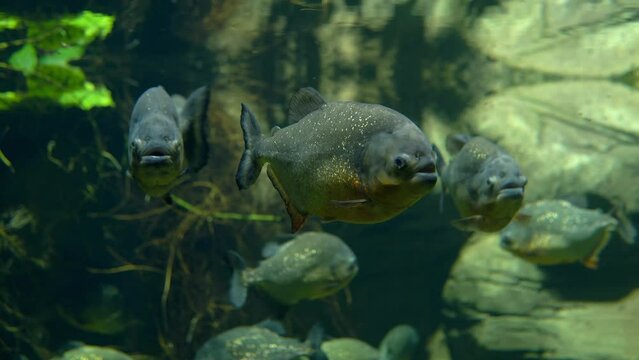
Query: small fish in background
x,y
549,232
312,265
167,139
104,311
484,182
263,341
345,161
398,344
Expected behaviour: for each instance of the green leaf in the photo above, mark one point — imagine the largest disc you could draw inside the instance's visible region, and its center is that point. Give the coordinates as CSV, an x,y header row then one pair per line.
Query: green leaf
x,y
25,59
93,24
8,22
72,30
49,81
88,97
63,56
8,99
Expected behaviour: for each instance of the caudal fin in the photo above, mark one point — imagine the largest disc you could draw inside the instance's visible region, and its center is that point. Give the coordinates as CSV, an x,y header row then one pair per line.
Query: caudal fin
x,y
626,229
238,290
249,168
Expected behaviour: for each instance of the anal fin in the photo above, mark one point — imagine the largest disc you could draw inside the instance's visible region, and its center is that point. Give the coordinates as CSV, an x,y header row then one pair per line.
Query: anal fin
x,y
470,223
297,218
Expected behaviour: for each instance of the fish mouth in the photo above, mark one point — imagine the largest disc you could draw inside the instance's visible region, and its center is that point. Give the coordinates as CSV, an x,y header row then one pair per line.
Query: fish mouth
x,y
426,174
155,160
511,193
155,156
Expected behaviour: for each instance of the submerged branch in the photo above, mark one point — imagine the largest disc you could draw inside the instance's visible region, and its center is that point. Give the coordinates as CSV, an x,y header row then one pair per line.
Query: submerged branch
x,y
125,268
138,216
168,276
223,215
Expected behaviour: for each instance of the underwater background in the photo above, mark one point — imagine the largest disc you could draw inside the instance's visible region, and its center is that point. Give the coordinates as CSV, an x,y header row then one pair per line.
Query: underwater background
x,y
84,258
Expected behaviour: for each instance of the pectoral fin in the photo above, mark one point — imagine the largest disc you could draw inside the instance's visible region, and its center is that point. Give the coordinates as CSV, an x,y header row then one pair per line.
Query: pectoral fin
x,y
193,123
297,217
455,142
349,203
471,223
591,263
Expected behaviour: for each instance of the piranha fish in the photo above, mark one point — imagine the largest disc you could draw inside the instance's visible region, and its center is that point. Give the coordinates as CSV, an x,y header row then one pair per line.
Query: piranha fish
x,y
258,342
312,265
398,344
484,182
346,161
167,139
549,232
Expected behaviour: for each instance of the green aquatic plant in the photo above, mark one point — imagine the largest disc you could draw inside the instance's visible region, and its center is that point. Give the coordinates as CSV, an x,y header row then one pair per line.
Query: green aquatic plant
x,y
44,59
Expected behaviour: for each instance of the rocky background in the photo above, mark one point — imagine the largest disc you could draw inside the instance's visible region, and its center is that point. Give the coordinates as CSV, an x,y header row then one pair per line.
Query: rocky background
x,y
553,82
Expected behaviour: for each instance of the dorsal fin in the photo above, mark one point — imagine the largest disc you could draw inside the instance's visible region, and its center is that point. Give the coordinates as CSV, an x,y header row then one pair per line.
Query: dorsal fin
x,y
303,102
454,143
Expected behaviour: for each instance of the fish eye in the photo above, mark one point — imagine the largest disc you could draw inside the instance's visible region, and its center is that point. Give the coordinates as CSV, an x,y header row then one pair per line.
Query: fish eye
x,y
352,267
507,241
400,163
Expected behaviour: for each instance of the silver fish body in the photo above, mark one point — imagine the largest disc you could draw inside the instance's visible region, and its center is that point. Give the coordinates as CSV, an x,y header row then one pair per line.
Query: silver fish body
x,y
549,232
252,343
163,142
346,161
311,266
484,182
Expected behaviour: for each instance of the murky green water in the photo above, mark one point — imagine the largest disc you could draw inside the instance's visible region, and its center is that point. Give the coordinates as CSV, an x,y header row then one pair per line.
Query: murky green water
x,y
84,258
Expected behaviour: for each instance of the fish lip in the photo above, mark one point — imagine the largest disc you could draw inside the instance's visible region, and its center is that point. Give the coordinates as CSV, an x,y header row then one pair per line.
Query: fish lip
x,y
155,160
426,173
155,155
511,193
425,177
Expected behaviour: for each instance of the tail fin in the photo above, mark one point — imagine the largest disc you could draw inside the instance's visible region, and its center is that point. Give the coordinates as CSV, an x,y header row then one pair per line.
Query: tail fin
x,y
238,290
249,168
626,229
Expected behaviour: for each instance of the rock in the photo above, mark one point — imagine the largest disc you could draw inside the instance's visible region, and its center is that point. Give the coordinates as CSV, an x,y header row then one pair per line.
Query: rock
x,y
90,352
501,307
567,37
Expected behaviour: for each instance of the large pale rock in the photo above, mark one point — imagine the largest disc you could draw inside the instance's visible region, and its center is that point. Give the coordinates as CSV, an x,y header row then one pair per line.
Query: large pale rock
x,y
567,37
501,307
